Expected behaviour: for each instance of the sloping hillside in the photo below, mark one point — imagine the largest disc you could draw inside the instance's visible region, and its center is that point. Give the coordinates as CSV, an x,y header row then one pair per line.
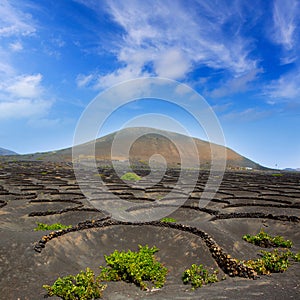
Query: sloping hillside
x,y
7,152
150,142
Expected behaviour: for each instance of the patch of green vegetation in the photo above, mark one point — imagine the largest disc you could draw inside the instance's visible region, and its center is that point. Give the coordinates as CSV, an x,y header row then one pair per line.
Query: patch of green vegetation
x,y
131,176
137,267
168,220
44,173
296,256
198,276
100,175
55,226
82,286
272,261
277,174
265,240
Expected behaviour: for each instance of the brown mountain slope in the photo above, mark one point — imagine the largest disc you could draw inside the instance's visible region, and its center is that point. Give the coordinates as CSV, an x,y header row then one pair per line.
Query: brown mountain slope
x,y
154,141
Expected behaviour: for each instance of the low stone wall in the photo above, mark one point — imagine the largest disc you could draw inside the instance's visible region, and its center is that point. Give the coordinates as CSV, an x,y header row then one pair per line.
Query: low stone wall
x,y
229,265
256,215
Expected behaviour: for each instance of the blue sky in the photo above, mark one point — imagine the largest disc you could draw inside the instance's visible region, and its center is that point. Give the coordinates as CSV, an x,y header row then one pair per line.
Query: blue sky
x,y
242,56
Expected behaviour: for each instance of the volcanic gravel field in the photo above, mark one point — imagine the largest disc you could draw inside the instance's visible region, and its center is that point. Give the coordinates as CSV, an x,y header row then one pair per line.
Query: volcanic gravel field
x,y
47,192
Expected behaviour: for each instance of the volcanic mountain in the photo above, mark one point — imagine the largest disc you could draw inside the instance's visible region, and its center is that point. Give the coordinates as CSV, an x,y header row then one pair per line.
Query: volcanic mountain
x,y
150,142
7,152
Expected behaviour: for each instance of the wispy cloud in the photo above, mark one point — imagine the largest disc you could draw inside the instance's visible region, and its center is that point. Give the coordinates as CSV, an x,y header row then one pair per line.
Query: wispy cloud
x,y
221,108
176,37
247,115
84,80
44,123
5,68
285,16
13,21
119,75
287,87
25,86
23,97
16,46
172,64
285,32
236,85
23,108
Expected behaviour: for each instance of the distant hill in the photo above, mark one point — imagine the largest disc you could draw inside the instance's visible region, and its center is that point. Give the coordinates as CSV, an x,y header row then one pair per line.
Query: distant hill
x,y
152,141
292,170
7,152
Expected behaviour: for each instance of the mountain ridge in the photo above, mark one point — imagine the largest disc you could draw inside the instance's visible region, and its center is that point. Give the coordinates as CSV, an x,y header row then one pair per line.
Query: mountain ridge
x,y
5,152
151,141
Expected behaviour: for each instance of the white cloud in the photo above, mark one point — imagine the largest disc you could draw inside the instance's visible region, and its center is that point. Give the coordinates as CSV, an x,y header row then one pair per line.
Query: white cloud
x,y
84,80
220,108
120,75
5,69
23,108
26,86
285,15
20,95
182,89
58,42
172,64
171,38
287,87
44,123
16,46
23,97
247,115
13,21
134,89
236,85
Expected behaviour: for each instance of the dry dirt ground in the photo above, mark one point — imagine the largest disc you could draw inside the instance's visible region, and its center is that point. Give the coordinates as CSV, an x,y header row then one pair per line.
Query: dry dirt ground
x,y
246,202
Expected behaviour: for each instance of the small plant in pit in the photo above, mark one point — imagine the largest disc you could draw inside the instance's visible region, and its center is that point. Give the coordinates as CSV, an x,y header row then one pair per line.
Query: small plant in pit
x,y
168,220
131,177
273,261
263,239
100,175
296,256
137,267
82,286
55,226
198,276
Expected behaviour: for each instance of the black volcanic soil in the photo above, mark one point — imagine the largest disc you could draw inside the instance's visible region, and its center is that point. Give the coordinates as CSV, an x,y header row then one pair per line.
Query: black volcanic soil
x,y
33,192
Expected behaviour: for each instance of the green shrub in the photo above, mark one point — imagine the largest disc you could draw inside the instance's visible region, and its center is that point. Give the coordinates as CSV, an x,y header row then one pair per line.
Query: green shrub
x,y
296,256
263,239
100,175
168,220
131,177
272,262
82,286
136,267
198,276
55,226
